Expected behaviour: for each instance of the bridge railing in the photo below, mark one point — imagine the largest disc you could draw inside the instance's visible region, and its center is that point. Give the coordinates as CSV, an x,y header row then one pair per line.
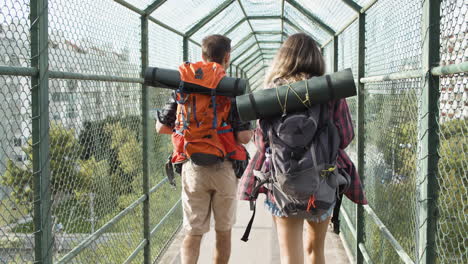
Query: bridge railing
x,y
81,169
410,118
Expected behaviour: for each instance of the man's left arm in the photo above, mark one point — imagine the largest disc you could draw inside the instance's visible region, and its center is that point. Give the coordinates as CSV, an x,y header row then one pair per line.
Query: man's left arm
x,y
242,130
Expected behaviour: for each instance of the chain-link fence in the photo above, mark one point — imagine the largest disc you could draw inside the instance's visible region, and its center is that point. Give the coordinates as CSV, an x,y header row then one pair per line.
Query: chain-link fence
x,y
81,169
400,146
90,98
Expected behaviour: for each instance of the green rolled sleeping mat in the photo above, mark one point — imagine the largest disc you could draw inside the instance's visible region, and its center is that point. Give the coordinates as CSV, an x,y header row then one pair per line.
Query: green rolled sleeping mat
x,y
274,102
170,79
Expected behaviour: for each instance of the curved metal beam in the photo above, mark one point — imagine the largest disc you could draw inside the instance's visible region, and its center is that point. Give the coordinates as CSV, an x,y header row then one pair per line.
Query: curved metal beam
x,y
244,39
353,5
250,61
252,65
246,50
351,21
299,29
248,21
249,18
282,18
312,17
155,5
209,17
259,70
247,64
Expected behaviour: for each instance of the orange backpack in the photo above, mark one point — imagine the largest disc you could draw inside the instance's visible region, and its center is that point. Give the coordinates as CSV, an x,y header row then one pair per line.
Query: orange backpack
x,y
202,131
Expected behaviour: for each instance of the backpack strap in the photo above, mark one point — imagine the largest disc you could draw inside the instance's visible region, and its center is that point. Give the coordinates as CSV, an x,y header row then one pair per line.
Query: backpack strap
x,y
236,86
215,114
324,109
246,235
336,215
331,92
253,206
254,105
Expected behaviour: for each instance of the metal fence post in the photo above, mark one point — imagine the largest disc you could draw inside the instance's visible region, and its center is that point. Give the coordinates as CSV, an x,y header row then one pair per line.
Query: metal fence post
x,y
428,135
40,132
360,131
335,54
145,136
185,49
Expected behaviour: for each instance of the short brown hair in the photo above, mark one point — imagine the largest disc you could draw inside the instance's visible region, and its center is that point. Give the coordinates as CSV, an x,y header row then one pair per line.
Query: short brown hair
x,y
215,48
298,58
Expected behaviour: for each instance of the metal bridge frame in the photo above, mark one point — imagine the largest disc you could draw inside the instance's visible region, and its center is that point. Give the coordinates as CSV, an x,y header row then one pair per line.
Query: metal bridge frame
x,y
427,129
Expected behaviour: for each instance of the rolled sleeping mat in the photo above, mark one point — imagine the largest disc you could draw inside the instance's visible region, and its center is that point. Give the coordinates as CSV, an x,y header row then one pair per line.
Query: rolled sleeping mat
x,y
267,103
170,79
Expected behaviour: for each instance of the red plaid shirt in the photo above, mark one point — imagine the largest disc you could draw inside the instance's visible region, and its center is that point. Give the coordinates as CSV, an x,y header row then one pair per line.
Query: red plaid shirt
x,y
343,122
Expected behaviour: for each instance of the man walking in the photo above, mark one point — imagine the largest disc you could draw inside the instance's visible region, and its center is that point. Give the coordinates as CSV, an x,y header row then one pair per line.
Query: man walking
x,y
206,134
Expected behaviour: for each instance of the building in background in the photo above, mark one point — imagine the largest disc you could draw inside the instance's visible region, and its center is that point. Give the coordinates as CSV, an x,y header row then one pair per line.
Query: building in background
x,y
71,102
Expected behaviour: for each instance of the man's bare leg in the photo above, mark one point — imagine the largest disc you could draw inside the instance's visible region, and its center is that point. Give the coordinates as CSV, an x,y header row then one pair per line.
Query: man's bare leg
x,y
191,249
223,247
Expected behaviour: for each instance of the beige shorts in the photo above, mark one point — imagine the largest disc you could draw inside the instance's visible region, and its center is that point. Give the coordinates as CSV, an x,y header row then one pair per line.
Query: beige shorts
x,y
206,189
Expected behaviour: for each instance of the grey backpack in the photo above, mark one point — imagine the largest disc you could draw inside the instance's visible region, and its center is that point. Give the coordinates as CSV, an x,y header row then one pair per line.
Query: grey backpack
x,y
303,176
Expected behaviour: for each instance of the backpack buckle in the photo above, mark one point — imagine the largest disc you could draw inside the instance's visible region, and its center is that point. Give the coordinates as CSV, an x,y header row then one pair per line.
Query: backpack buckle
x,y
324,173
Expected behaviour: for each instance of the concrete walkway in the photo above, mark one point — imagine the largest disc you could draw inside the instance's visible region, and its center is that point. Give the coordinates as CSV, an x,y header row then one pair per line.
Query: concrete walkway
x,y
262,247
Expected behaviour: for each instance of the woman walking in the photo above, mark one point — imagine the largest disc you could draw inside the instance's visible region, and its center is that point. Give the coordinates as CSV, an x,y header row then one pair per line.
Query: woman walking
x,y
298,59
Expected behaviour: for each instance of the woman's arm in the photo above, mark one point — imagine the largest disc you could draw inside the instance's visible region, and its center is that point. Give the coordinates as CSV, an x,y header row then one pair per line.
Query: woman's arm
x,y
344,123
244,136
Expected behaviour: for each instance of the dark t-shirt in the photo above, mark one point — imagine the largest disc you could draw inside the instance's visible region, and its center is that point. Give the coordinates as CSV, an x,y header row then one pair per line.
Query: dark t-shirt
x,y
167,115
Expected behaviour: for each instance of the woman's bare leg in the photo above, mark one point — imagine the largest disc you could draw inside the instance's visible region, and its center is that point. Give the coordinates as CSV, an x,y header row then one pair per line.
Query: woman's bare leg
x,y
315,243
290,239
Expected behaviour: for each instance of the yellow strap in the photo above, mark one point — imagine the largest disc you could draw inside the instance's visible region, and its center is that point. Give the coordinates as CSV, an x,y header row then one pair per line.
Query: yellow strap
x,y
306,101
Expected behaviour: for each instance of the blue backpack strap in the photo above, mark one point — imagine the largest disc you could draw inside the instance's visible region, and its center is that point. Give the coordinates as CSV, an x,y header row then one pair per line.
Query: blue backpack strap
x,y
215,114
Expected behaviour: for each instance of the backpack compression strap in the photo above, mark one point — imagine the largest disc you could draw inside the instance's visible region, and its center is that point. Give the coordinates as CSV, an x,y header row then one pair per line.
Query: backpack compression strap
x,y
253,207
245,237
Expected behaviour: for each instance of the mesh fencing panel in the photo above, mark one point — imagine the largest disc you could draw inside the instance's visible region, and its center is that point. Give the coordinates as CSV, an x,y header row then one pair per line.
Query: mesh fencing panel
x,y
305,25
194,52
451,240
333,13
390,160
328,56
239,33
261,8
192,11
221,23
16,185
165,50
393,44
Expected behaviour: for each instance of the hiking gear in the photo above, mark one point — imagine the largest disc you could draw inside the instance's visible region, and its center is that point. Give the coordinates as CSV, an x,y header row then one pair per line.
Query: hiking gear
x,y
167,114
166,78
201,132
170,172
342,120
294,97
336,215
303,177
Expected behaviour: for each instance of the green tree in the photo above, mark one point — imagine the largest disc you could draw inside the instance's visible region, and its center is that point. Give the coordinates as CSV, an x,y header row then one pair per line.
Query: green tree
x,y
64,167
453,183
128,149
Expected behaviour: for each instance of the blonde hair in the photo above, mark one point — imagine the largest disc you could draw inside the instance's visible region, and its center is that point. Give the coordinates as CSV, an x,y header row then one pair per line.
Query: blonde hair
x,y
299,58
